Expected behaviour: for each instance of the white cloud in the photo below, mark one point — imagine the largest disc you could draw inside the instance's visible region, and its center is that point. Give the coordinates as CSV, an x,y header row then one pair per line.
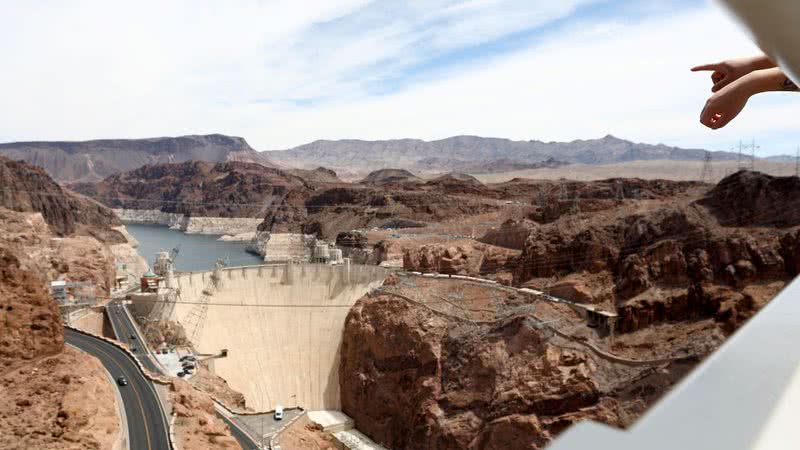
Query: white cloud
x,y
169,68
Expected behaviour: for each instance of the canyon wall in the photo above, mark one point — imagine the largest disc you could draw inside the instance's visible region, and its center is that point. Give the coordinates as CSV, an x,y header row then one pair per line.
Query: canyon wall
x,y
194,225
282,247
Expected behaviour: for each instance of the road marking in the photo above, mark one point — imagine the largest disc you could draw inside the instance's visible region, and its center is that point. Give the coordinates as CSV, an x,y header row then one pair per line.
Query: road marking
x,y
136,392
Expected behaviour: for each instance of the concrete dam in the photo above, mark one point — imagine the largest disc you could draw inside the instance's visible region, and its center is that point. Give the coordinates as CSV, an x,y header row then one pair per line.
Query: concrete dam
x,y
281,324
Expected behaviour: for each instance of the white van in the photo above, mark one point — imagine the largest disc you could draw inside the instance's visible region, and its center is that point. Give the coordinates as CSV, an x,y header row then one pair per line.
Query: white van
x,y
278,413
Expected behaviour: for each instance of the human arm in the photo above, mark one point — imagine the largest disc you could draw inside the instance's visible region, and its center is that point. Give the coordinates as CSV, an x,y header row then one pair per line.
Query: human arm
x,y
728,71
725,104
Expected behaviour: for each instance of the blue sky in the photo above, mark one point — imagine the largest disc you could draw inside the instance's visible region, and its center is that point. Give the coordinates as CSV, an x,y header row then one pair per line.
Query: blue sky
x,y
283,73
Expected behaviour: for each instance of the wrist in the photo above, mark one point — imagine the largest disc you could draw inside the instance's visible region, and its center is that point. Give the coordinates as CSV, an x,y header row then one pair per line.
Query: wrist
x,y
753,83
759,63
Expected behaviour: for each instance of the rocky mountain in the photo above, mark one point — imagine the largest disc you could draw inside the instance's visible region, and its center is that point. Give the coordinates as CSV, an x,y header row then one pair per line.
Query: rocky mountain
x,y
26,188
97,159
196,188
476,154
678,266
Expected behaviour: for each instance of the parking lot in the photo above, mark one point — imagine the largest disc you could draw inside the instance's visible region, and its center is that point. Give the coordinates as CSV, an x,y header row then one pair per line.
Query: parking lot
x,y
171,361
265,424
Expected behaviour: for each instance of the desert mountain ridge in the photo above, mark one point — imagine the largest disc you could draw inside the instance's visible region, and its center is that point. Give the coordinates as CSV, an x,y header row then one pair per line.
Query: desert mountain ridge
x,y
74,161
352,159
475,154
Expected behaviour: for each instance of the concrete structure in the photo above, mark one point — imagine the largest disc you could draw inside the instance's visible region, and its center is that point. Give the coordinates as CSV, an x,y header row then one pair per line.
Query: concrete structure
x,y
163,263
282,326
336,256
322,253
340,425
58,289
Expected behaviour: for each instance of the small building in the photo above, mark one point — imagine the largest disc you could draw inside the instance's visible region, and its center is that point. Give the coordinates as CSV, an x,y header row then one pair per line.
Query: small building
x,y
58,289
150,282
321,252
599,318
336,256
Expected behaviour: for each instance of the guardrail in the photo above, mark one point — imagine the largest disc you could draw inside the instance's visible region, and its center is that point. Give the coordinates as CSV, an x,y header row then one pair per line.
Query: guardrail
x,y
142,369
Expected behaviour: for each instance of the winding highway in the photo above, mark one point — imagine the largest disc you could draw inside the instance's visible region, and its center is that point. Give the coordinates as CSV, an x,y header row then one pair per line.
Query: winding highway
x,y
147,425
127,334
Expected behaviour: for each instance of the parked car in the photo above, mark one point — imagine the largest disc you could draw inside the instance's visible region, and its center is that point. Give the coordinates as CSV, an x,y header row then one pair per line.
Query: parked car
x,y
122,381
133,336
181,374
133,349
278,413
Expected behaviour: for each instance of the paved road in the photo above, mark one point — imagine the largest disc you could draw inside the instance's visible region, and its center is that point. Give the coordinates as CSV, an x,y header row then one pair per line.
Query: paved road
x,y
125,330
243,439
147,426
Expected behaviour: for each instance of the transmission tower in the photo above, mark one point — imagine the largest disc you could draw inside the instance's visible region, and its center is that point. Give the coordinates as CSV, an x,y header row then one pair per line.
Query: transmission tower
x,y
739,162
753,148
706,174
797,163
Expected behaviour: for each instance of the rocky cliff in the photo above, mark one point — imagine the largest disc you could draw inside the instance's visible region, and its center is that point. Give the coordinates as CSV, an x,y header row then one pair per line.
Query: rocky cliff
x,y
480,376
749,198
674,258
436,363
95,160
30,323
27,188
195,189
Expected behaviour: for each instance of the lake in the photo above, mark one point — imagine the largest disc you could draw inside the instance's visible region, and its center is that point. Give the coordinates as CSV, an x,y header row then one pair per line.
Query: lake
x,y
197,251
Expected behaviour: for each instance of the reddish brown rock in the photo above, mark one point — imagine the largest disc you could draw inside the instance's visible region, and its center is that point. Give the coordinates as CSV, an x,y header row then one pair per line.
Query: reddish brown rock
x,y
30,324
572,290
472,259
415,379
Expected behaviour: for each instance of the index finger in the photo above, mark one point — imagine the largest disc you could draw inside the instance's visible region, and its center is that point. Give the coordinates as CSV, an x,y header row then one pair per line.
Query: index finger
x,y
705,67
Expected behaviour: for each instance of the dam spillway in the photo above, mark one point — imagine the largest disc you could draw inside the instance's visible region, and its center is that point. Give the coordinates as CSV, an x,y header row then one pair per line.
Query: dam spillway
x,y
281,324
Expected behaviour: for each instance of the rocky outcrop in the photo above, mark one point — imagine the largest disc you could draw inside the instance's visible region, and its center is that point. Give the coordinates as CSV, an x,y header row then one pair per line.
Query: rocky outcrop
x,y
27,188
282,247
30,324
390,176
64,401
195,189
510,234
197,425
749,198
412,379
573,290
351,239
473,259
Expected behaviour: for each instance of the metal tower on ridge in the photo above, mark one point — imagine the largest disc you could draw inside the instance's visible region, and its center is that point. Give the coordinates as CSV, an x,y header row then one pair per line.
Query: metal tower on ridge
x,y
706,174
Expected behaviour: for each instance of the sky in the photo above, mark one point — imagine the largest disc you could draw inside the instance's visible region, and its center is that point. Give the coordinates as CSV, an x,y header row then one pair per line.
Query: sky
x,y
284,73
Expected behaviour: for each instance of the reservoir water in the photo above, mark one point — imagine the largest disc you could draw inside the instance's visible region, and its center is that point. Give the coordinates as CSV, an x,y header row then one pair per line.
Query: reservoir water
x,y
197,251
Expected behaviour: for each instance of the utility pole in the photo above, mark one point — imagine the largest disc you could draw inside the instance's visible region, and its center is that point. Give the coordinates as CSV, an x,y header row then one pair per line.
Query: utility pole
x,y
706,173
739,164
797,163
